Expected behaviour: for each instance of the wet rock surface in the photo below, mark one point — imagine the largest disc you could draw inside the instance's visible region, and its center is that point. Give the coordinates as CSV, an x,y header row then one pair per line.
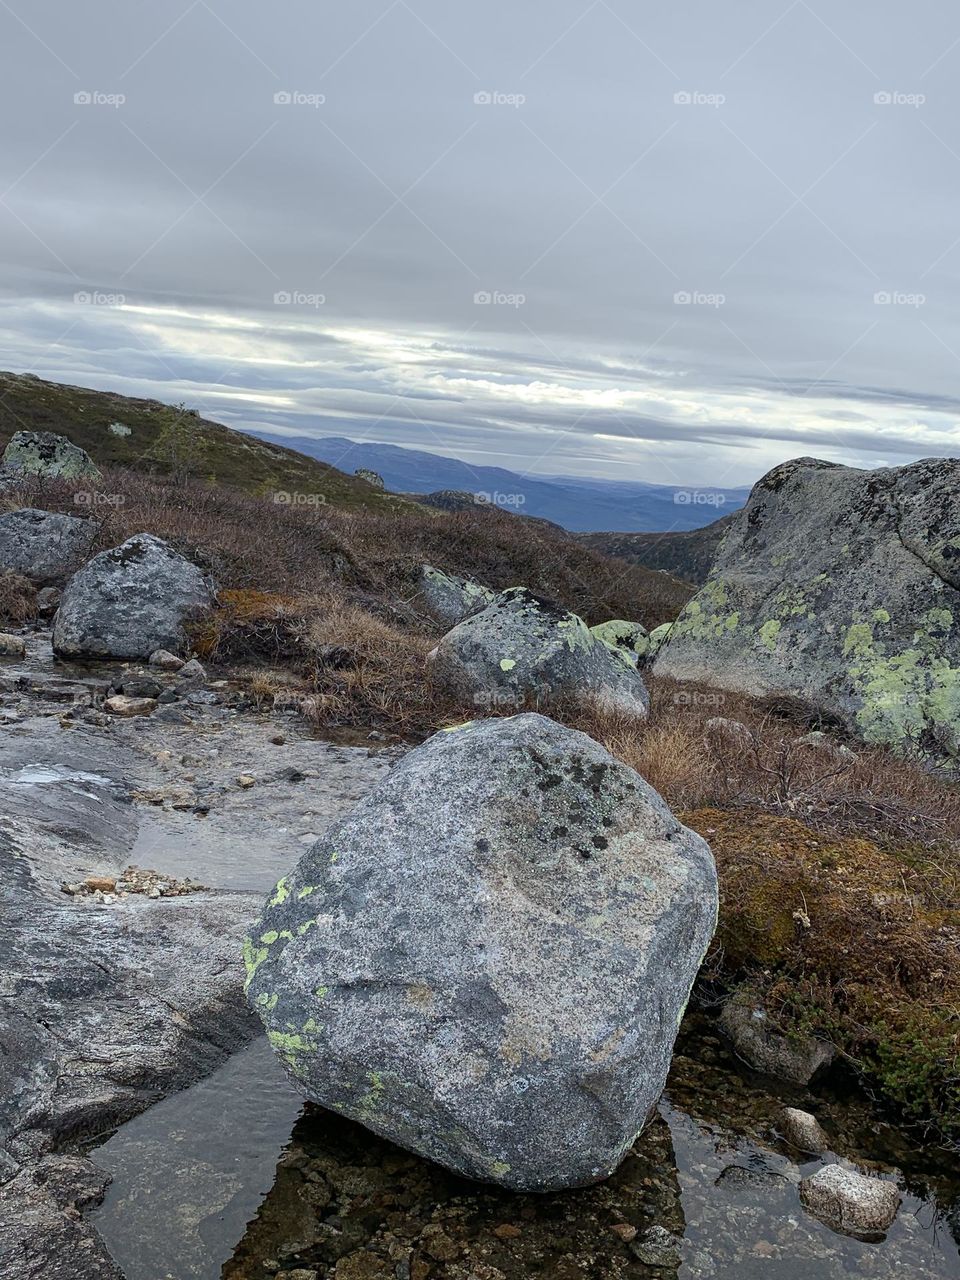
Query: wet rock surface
x,y
129,989
488,959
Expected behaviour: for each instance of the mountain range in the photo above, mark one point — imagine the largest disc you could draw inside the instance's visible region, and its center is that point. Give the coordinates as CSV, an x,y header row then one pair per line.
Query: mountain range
x,y
580,504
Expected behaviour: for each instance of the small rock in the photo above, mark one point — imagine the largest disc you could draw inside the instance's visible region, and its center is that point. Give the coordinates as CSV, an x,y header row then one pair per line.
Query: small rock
x,y
165,660
48,601
140,687
796,1059
120,705
657,1248
172,715
278,740
802,1130
105,884
193,670
849,1202
246,781
11,646
625,1230
507,1231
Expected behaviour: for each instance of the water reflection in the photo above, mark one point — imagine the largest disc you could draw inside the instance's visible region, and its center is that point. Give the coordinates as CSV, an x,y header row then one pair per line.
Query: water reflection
x,y
708,1191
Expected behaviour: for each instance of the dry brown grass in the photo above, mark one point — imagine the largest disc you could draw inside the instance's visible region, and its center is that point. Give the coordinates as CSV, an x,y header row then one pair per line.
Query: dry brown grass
x,y
18,599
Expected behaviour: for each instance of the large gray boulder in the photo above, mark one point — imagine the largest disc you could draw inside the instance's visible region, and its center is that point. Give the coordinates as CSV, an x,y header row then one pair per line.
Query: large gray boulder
x,y
521,647
487,961
44,546
842,587
46,454
130,601
451,598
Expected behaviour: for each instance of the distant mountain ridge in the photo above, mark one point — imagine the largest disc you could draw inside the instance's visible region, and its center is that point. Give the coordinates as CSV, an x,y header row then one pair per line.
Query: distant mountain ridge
x,y
583,505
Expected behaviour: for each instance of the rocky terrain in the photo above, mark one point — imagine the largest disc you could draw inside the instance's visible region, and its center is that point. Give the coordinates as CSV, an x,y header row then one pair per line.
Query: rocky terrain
x,y
686,553
458,847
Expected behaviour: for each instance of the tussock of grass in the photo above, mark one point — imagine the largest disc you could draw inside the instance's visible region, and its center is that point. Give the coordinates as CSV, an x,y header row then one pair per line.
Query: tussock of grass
x,y
18,599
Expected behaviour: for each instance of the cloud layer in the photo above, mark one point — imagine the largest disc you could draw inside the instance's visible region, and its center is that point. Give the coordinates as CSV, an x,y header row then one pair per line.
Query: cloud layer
x,y
678,245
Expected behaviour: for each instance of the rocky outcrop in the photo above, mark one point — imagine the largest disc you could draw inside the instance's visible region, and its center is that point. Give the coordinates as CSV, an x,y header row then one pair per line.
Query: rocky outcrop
x,y
130,601
371,477
488,959
849,1202
450,598
44,453
841,587
629,637
522,648
44,546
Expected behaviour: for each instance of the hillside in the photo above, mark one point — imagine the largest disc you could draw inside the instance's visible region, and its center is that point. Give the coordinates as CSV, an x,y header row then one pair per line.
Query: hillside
x,y
688,554
147,435
574,502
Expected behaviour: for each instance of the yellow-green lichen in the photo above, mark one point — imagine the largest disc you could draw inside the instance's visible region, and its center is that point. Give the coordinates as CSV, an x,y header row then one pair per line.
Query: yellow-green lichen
x,y
280,893
769,634
253,958
507,664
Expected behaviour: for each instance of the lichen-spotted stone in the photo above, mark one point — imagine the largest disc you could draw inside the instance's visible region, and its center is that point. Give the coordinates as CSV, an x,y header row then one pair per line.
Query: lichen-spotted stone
x,y
499,957
842,587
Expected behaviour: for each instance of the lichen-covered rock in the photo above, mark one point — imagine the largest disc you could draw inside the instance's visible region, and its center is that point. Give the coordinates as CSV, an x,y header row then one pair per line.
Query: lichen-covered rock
x,y
521,647
849,1202
371,477
795,1059
44,546
629,637
841,587
450,598
488,960
44,453
130,601
657,639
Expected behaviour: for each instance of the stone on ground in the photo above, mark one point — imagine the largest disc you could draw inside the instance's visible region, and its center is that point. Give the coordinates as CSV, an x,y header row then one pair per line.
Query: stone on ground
x,y
841,587
487,961
44,546
802,1130
849,1202
629,637
44,453
521,647
130,601
795,1059
450,598
11,646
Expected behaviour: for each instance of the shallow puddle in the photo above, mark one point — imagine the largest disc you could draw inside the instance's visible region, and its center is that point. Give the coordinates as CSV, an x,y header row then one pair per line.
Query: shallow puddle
x,y
235,1179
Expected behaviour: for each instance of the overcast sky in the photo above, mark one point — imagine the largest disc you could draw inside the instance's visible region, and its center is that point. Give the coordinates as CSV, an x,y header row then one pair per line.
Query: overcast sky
x,y
677,243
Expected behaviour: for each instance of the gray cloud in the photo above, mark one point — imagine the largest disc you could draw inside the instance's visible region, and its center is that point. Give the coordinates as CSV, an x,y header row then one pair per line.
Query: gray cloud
x,y
775,165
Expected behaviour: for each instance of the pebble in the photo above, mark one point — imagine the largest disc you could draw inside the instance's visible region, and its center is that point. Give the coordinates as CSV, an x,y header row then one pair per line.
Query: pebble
x,y
246,781
802,1130
165,660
